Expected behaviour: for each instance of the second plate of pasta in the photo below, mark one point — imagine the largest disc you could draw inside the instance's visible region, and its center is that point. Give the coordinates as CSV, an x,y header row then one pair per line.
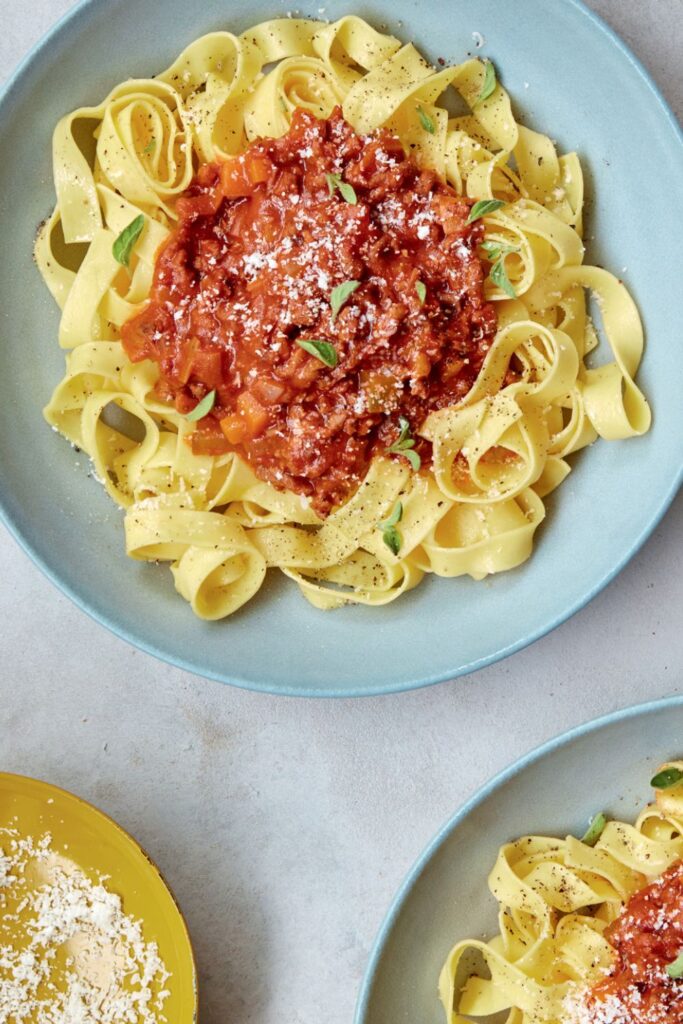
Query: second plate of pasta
x,y
562,839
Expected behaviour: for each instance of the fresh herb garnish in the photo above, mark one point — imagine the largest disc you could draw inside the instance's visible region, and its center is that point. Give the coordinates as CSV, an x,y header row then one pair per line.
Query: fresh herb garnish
x,y
489,83
421,290
404,445
123,245
426,121
150,147
497,249
497,252
202,408
483,207
390,535
395,517
675,969
322,350
667,778
340,294
499,276
346,191
594,830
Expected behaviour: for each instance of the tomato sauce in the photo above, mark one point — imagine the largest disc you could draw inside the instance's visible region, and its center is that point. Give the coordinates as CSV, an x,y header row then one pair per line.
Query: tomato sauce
x,y
647,936
261,243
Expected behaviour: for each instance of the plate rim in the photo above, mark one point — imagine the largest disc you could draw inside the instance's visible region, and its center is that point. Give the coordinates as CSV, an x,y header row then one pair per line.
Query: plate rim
x,y
185,664
59,791
480,795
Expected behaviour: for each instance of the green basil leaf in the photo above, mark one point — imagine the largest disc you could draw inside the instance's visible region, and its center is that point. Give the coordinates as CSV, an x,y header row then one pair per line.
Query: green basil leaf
x,y
347,192
489,85
499,276
340,294
202,408
395,517
667,778
413,458
497,249
482,207
421,290
322,350
405,430
426,121
123,245
675,969
403,445
392,539
150,147
594,830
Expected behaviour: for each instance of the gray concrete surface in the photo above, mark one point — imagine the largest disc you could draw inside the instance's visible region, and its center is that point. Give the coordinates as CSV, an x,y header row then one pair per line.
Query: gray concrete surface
x,y
284,825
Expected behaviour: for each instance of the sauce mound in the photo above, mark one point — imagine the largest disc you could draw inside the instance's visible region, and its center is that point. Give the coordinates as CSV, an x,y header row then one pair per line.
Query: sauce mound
x,y
261,243
647,936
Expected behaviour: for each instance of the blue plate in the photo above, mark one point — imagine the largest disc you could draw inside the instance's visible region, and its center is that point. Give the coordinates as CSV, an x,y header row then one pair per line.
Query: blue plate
x,y
586,91
604,765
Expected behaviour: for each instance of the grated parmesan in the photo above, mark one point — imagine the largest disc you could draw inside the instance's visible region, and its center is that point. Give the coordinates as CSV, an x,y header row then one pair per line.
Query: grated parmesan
x,y
68,952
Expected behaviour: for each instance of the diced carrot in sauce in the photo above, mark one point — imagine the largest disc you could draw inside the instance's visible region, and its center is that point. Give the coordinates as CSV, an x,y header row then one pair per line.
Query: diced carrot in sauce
x,y
139,343
234,428
235,182
258,168
207,366
248,422
183,369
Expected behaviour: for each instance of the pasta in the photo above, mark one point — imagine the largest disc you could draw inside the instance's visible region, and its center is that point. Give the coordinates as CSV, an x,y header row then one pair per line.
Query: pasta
x,y
497,453
557,899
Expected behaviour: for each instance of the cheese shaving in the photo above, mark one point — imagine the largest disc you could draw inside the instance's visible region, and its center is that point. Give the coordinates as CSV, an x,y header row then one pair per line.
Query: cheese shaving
x,y
68,952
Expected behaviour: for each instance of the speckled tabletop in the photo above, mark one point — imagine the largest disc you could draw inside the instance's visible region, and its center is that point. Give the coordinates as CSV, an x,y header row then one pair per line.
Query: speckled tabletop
x,y
285,826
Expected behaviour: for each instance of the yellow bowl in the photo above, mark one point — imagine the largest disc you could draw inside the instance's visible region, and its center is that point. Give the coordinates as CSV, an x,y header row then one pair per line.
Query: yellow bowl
x,y
98,846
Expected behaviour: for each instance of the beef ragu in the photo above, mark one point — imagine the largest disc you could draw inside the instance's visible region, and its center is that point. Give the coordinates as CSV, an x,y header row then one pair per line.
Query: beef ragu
x,y
250,271
647,938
